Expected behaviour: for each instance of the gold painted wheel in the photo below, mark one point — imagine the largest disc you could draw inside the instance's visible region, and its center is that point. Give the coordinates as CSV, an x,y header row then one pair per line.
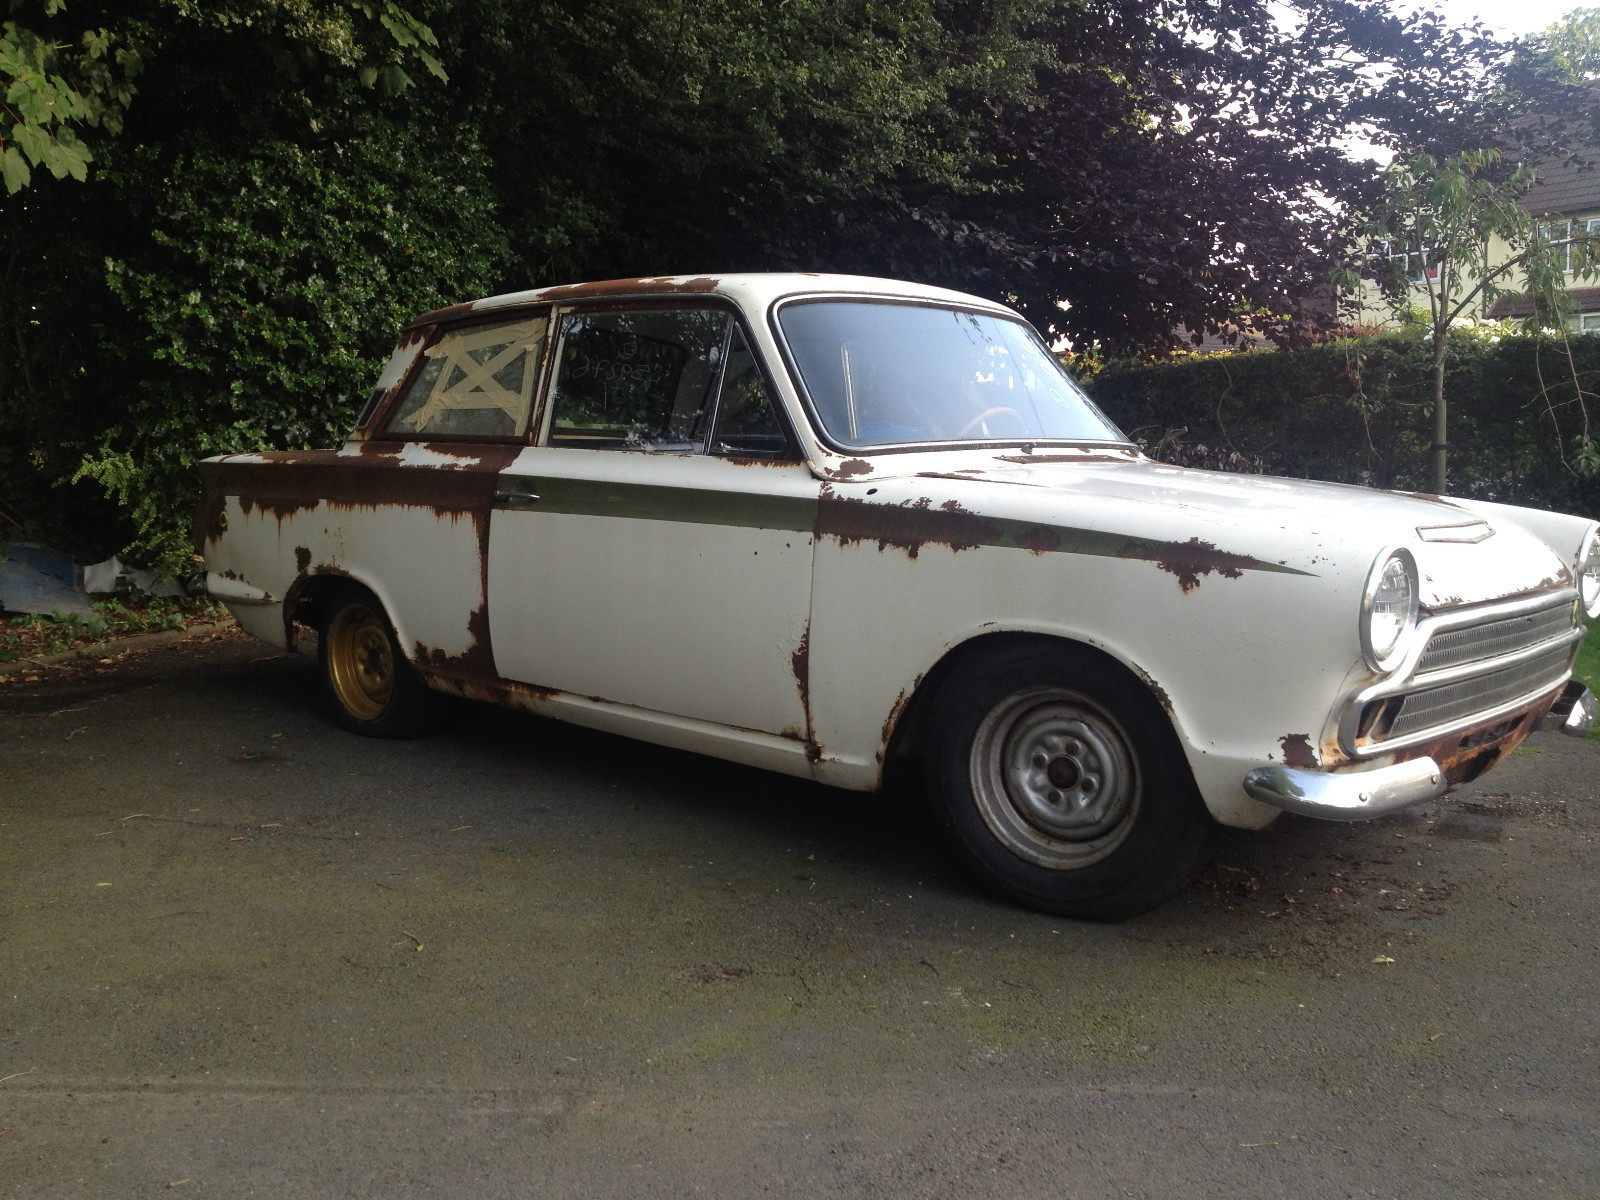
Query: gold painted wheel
x,y
360,661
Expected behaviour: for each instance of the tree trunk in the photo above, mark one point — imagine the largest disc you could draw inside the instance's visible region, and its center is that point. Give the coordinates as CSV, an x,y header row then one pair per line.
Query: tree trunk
x,y
1436,481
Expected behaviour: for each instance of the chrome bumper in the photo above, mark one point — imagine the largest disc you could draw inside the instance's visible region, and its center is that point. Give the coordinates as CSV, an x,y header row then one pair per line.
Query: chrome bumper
x,y
1574,711
1358,795
1347,795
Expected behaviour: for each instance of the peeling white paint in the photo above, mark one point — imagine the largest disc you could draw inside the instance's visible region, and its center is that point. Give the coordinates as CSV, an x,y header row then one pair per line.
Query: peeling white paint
x,y
416,454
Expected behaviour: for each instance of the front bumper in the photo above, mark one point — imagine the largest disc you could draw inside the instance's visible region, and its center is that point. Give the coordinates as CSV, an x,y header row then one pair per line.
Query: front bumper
x,y
1360,795
1347,795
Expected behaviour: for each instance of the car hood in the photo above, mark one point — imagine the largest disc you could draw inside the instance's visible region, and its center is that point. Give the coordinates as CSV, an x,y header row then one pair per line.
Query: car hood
x,y
1327,529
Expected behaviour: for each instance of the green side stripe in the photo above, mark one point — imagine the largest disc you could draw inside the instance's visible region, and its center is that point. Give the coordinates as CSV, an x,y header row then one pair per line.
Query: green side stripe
x,y
651,502
798,514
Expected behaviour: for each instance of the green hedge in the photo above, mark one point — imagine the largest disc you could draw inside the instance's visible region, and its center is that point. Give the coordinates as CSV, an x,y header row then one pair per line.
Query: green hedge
x,y
1359,410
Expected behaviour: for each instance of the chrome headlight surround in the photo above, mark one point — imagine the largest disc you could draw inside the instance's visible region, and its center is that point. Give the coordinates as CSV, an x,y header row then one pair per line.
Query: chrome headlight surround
x,y
1391,591
1588,573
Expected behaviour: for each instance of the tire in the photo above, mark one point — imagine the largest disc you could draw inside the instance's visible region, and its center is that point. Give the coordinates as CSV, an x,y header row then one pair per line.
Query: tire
x,y
1061,783
372,688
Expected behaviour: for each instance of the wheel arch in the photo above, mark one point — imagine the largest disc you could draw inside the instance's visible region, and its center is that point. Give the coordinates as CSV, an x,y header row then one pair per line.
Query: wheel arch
x,y
909,722
310,595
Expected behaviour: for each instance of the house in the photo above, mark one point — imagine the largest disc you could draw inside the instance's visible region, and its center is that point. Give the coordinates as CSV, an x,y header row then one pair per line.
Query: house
x,y
1566,199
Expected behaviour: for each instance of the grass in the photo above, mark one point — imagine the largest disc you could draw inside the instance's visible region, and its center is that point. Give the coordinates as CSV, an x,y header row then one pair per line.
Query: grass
x,y
1587,668
33,636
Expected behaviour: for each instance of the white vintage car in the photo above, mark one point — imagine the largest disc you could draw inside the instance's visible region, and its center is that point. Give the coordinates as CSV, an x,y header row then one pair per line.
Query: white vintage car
x,y
828,525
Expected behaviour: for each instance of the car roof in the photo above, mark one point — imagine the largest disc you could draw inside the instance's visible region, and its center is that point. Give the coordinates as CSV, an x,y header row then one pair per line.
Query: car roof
x,y
753,291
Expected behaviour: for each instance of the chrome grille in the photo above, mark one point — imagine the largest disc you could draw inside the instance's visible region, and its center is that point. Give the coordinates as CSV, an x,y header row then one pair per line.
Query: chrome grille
x,y
1451,647
1481,693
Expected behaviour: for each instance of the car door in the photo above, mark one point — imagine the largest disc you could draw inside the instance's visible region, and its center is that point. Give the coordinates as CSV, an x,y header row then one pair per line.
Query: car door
x,y
654,549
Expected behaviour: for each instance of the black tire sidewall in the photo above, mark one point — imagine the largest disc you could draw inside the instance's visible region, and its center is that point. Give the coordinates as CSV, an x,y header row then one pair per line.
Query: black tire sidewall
x,y
1159,854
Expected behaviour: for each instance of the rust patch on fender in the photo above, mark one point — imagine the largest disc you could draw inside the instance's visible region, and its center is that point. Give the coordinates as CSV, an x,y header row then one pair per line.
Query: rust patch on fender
x,y
1039,539
475,662
284,483
1159,692
302,559
1297,751
211,517
907,526
889,723
278,507
1189,560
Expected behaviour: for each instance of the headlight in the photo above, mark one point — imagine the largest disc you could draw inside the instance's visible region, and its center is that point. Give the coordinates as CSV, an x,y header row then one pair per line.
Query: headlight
x,y
1389,609
1589,573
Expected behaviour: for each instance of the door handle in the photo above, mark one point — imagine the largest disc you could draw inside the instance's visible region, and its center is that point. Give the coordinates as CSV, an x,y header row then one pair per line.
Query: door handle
x,y
515,499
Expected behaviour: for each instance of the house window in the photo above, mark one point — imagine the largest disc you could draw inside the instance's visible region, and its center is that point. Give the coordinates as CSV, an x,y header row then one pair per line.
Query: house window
x,y
1588,322
1415,257
1574,250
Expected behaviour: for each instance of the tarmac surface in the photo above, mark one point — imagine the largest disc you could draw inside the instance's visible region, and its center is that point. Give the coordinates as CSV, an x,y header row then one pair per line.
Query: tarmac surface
x,y
243,953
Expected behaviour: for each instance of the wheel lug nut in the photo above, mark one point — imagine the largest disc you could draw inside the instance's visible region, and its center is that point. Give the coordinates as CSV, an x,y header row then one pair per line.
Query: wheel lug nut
x,y
1055,797
1040,761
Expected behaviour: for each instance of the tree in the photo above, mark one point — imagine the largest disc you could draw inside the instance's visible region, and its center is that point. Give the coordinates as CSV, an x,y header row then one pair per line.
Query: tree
x,y
1179,164
230,274
1455,229
1573,45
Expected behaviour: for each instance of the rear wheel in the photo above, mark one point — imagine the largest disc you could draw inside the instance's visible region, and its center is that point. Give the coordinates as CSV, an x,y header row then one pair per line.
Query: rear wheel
x,y
374,690
1062,784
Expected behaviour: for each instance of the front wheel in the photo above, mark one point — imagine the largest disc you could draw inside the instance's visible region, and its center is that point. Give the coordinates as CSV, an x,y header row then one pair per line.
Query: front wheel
x,y
374,690
1061,782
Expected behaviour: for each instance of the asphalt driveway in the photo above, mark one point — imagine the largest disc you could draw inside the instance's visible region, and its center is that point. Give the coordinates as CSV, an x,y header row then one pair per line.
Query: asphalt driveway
x,y
245,953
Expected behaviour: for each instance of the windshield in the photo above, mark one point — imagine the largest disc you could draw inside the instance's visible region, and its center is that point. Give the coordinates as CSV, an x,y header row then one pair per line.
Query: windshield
x,y
894,374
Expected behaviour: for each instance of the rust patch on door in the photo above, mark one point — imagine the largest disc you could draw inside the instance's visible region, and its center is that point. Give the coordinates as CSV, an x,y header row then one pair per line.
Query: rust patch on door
x,y
1297,751
1188,560
906,526
1039,539
853,466
302,559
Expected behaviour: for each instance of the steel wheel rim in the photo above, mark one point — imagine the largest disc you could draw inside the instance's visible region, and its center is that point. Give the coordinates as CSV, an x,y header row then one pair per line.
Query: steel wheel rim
x,y
1055,777
361,662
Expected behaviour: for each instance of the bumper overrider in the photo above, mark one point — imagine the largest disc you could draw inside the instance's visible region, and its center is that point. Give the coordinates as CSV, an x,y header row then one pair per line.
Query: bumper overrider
x,y
1495,659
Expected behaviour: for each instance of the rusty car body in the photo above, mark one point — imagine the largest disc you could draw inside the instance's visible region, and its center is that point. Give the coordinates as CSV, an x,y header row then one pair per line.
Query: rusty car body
x,y
826,525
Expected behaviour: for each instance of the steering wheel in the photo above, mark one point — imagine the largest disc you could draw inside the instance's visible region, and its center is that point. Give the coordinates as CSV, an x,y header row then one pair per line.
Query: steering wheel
x,y
984,416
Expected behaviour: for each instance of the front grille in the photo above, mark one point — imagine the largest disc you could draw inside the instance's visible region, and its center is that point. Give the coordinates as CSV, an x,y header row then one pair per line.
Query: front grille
x,y
1452,647
1481,693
